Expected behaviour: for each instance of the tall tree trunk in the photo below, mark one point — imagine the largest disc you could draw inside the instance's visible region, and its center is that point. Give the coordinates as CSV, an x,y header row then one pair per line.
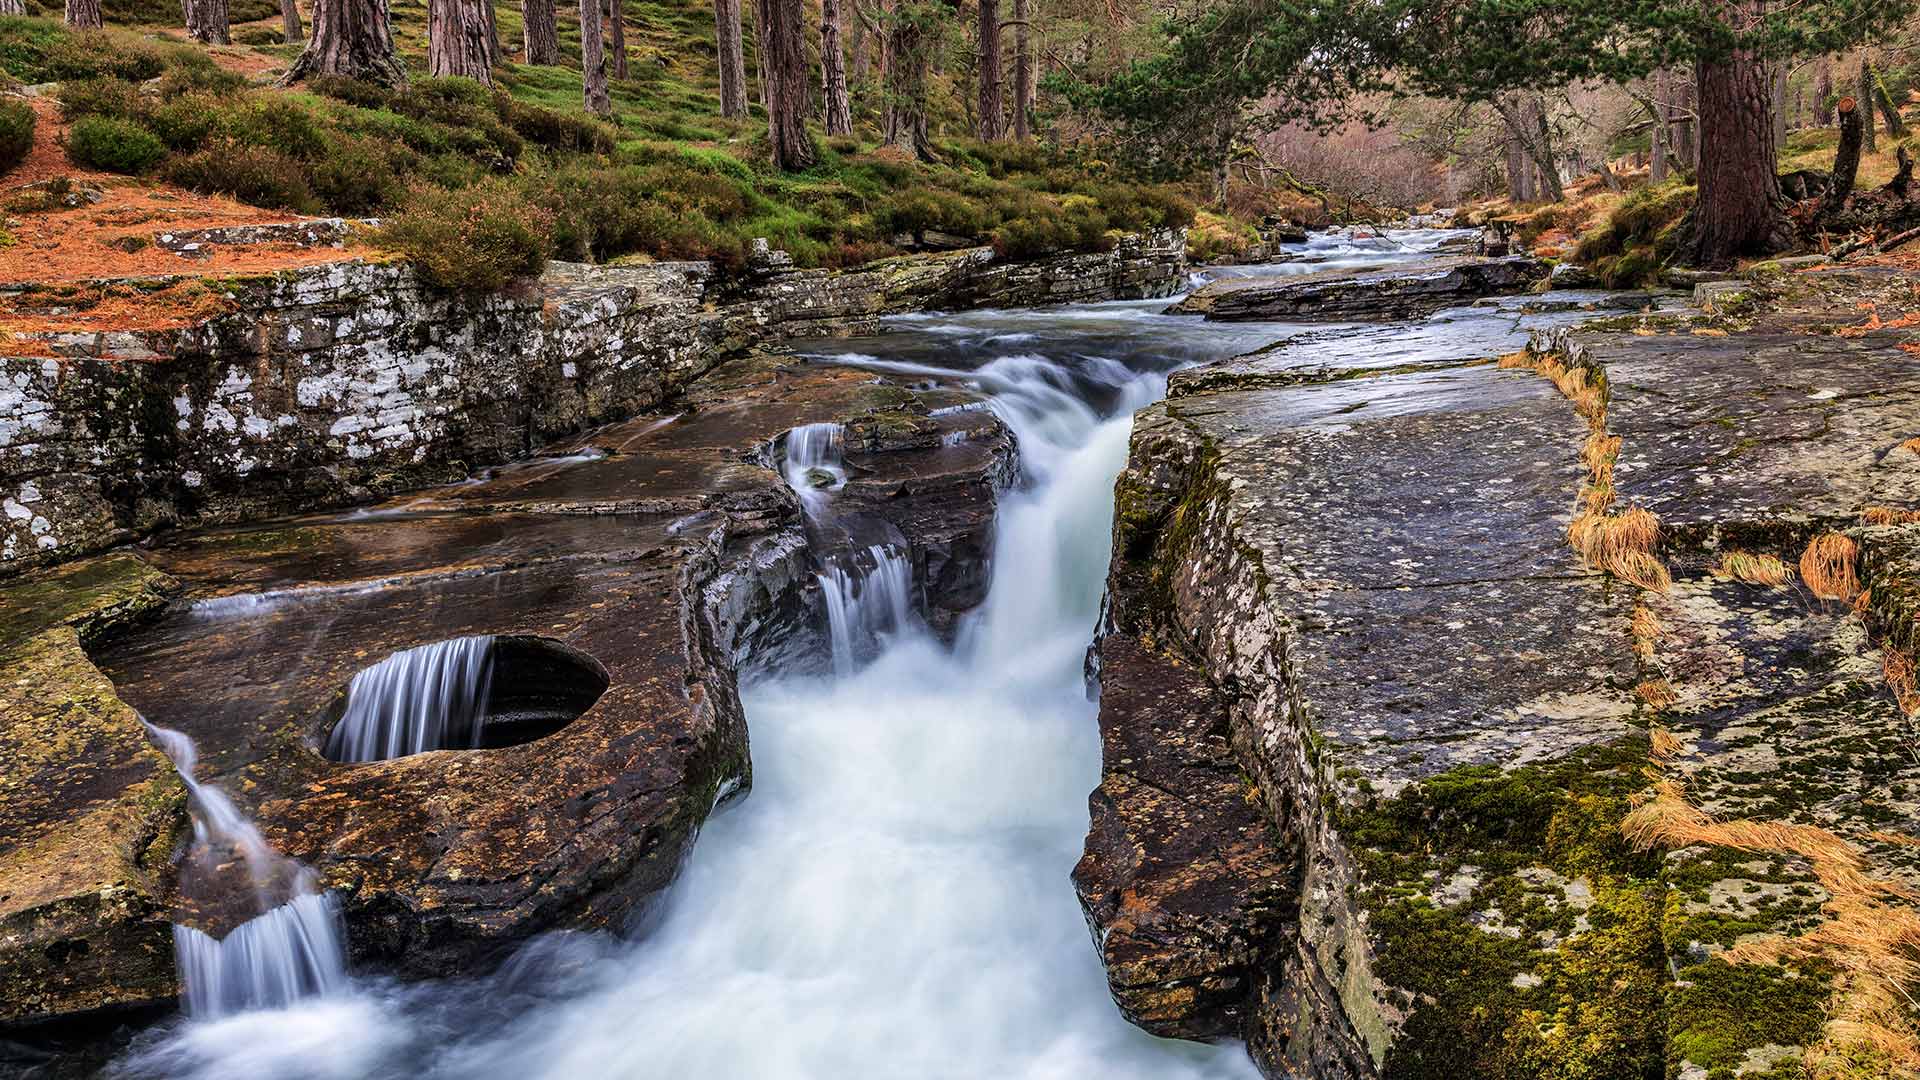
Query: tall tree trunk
x,y
1846,158
1778,84
457,39
833,72
1823,94
13,7
1868,84
760,52
857,38
1519,171
84,14
1896,124
733,58
290,29
207,21
350,38
1022,73
1526,117
785,64
907,49
991,122
593,61
617,21
542,37
1657,163
1686,130
1740,209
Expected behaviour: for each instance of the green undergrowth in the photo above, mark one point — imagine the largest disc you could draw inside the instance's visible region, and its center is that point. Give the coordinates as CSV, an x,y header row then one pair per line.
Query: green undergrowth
x,y
1639,237
668,178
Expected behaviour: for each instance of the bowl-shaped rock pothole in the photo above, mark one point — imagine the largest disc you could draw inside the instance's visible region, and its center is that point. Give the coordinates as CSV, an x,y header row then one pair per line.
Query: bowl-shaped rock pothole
x,y
469,693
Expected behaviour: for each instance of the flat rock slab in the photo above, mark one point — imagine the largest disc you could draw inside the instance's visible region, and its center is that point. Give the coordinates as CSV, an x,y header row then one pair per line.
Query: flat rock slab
x,y
1400,293
1759,436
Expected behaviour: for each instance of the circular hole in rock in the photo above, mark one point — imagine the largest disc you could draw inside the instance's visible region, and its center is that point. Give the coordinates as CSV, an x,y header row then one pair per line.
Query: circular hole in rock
x,y
468,693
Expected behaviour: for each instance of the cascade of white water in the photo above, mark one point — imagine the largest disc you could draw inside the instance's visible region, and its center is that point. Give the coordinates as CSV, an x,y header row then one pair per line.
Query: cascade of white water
x,y
867,594
290,950
813,461
428,698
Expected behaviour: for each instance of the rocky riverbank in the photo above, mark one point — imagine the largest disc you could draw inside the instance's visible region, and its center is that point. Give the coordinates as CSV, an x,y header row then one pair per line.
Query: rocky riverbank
x,y
332,384
1494,720
638,572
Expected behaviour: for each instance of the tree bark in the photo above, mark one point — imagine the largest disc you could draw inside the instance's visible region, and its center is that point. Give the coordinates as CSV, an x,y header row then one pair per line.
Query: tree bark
x,y
616,15
542,36
733,58
1896,124
1686,130
1846,158
350,38
857,43
290,29
1657,163
13,7
1778,81
1519,171
991,121
833,72
785,65
457,39
593,61
1022,73
1823,94
84,14
1868,83
1740,208
760,51
207,21
1526,117
907,48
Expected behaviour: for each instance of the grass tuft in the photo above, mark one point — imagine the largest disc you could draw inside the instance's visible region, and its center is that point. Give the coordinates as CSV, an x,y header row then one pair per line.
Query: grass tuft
x,y
1767,570
1829,567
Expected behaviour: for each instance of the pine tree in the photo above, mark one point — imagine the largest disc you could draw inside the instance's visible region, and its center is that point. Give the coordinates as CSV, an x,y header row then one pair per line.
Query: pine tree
x,y
350,38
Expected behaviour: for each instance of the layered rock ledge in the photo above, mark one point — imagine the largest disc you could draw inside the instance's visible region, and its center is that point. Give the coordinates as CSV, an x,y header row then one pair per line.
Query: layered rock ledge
x,y
336,383
1399,293
1512,816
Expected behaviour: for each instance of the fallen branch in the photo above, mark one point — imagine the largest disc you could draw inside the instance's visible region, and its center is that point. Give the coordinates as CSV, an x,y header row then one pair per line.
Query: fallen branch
x,y
1895,241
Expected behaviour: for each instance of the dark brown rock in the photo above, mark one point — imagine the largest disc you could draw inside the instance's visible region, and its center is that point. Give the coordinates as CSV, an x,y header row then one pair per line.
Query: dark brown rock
x,y
1399,293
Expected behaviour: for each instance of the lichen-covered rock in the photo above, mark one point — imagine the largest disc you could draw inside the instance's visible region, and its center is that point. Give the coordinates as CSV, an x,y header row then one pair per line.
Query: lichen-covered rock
x,y
1400,293
1452,726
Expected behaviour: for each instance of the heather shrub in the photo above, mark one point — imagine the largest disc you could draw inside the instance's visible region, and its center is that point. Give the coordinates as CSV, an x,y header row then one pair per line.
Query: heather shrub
x,y
17,121
113,144
478,238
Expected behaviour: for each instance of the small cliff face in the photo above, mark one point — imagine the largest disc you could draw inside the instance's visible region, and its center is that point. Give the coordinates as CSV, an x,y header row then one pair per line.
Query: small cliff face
x,y
1524,816
330,384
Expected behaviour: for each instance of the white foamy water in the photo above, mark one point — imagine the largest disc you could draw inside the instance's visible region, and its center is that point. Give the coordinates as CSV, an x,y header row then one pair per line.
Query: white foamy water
x,y
893,898
431,697
289,951
813,460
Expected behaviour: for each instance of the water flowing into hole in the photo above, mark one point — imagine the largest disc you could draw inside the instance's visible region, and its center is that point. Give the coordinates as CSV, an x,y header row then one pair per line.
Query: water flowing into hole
x,y
428,698
284,940
813,460
868,594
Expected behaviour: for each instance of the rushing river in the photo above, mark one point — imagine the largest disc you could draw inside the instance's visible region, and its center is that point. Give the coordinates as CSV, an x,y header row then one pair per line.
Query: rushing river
x,y
893,897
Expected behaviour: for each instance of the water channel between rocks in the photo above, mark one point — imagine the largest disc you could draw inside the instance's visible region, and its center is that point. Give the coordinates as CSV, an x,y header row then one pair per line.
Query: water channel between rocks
x,y
892,899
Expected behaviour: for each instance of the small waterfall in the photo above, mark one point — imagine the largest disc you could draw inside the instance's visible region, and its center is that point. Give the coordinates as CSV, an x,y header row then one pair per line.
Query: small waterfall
x,y
868,593
268,962
289,949
814,463
428,698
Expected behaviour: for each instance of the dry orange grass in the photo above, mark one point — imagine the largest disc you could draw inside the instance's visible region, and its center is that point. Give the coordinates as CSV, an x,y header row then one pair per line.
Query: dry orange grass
x,y
1521,359
1871,934
1657,693
1666,745
1599,454
1898,668
1912,446
1753,569
1646,632
1828,567
1887,515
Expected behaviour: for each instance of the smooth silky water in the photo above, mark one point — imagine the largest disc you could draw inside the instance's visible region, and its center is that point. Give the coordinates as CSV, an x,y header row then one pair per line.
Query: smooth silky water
x,y
893,897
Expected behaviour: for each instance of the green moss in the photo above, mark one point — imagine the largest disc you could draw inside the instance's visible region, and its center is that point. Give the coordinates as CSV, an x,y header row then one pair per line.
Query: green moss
x,y
1719,1011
